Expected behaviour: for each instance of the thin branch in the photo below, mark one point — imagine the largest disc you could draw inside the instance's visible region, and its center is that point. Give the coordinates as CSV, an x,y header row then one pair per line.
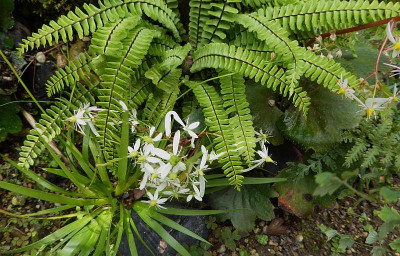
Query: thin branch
x,y
353,29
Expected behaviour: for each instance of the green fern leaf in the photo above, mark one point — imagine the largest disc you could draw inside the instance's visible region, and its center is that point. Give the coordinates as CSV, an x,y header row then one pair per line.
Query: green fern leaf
x,y
217,120
94,18
318,16
198,17
69,75
221,16
117,75
278,40
326,72
248,64
233,93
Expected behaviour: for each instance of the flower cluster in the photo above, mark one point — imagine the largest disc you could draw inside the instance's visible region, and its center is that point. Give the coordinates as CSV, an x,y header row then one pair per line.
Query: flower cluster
x,y
371,105
84,116
165,163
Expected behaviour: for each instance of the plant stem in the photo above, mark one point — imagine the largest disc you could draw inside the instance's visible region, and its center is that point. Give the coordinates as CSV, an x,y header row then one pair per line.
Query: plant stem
x,y
353,29
364,196
20,80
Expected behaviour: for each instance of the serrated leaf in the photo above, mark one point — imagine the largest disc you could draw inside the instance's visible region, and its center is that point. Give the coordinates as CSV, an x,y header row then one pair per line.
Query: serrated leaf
x,y
329,232
372,237
249,203
327,184
389,195
395,245
320,130
378,251
345,241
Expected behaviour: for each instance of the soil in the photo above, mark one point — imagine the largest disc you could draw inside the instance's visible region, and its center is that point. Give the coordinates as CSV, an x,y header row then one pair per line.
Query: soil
x,y
303,236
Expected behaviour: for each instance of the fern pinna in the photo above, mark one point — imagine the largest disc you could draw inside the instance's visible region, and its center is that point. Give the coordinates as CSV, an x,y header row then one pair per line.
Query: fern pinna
x,y
141,54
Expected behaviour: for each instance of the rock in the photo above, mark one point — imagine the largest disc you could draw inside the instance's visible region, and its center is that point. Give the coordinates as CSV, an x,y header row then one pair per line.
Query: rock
x,y
40,57
222,249
61,60
18,200
272,243
158,246
299,238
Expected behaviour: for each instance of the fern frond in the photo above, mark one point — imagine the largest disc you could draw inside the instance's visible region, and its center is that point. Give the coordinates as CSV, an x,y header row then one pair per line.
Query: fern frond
x,y
70,74
233,92
139,93
255,3
326,72
248,64
220,18
164,80
278,40
166,74
160,45
93,18
198,17
52,122
249,41
218,121
118,29
320,16
117,76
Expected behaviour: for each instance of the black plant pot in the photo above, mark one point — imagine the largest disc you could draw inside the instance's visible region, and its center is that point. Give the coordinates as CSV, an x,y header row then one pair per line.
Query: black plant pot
x,y
195,224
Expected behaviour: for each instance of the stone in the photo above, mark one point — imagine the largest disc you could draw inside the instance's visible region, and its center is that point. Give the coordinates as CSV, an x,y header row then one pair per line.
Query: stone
x,y
299,238
40,57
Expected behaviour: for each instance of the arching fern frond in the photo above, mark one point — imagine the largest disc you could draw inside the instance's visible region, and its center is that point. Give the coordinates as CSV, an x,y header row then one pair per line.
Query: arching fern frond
x,y
218,121
166,74
117,76
70,74
278,39
100,41
329,15
198,17
248,64
52,122
88,22
221,16
326,72
233,92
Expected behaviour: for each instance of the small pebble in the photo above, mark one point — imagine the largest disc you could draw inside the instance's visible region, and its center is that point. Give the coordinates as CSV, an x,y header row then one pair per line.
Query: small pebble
x,y
40,57
272,243
256,230
265,229
299,238
222,249
262,224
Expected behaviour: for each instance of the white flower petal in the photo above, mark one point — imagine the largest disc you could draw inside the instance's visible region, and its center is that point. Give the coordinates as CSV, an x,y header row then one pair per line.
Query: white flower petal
x,y
193,125
389,33
161,153
158,137
175,145
123,105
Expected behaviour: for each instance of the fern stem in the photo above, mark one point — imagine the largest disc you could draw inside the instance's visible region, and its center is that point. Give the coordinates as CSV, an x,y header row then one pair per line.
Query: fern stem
x,y
205,81
353,29
20,80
